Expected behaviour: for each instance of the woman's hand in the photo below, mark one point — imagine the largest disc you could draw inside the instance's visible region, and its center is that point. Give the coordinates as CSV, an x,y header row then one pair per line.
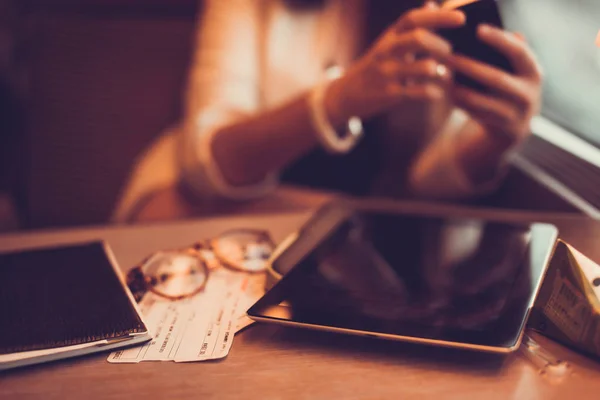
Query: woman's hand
x,y
406,62
503,115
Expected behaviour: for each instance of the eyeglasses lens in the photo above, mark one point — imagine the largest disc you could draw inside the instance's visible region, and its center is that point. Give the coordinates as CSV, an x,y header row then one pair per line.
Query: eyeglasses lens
x,y
175,274
245,250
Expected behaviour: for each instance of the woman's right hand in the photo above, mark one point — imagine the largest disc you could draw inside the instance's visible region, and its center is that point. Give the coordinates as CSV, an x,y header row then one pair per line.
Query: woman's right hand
x,y
405,63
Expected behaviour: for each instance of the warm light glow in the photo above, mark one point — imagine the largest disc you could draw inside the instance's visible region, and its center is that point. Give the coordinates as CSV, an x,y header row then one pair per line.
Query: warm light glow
x,y
453,4
598,39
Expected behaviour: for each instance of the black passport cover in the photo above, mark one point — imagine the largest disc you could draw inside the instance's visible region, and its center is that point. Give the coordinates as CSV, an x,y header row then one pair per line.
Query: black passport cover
x,y
56,297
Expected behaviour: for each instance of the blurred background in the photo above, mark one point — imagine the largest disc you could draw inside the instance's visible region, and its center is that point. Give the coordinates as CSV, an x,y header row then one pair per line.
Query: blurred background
x,y
85,85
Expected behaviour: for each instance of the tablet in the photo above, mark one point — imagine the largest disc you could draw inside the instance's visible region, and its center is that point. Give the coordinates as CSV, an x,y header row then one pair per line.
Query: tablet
x,y
423,277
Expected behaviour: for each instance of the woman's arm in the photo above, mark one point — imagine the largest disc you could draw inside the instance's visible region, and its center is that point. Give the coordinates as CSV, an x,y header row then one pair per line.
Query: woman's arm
x,y
438,171
250,149
471,156
230,142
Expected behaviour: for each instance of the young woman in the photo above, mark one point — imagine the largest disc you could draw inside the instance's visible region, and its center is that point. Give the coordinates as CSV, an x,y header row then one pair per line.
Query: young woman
x,y
348,95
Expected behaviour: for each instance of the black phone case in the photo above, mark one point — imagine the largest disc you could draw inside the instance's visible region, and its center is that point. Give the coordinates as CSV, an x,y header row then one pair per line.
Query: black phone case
x,y
464,40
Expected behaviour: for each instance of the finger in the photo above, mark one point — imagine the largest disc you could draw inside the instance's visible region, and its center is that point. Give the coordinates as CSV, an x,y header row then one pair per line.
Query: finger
x,y
520,36
429,91
489,110
493,78
517,51
428,69
430,4
420,41
429,18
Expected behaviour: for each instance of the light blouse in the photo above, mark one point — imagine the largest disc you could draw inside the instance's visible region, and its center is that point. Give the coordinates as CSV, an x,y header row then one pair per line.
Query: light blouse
x,y
251,55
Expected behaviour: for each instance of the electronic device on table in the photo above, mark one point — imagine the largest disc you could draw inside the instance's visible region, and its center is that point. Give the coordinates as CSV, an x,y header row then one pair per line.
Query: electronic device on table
x,y
376,269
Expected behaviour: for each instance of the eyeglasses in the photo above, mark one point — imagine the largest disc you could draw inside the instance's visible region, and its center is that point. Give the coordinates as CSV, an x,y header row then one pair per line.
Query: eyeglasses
x,y
181,273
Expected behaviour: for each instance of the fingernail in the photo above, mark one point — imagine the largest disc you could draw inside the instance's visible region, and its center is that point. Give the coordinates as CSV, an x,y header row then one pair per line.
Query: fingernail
x,y
485,29
520,36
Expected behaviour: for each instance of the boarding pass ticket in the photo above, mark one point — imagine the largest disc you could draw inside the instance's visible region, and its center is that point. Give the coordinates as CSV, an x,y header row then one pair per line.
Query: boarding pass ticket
x,y
199,328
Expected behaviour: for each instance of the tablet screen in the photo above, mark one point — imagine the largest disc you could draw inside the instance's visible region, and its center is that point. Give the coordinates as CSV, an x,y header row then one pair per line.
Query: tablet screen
x,y
452,280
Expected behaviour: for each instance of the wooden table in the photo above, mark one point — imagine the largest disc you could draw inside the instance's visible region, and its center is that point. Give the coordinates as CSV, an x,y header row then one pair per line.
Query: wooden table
x,y
279,363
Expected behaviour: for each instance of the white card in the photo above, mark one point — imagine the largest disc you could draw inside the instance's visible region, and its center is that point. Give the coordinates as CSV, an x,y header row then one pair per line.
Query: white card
x,y
199,328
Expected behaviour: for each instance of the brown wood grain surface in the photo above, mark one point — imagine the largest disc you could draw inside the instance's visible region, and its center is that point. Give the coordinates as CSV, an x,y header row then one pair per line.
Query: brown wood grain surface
x,y
270,362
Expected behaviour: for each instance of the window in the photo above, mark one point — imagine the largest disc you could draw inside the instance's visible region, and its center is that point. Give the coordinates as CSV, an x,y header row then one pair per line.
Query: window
x,y
564,35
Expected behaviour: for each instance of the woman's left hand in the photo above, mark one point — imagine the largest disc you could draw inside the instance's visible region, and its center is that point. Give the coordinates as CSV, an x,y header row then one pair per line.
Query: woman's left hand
x,y
505,112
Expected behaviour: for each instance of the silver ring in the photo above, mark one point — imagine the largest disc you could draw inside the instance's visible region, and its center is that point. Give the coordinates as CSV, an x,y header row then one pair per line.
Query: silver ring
x,y
441,71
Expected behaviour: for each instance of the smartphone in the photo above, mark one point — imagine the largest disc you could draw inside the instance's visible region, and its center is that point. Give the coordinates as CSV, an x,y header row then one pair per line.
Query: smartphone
x,y
464,39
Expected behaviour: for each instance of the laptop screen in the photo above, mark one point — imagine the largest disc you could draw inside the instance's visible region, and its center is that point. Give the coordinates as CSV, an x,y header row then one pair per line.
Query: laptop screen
x,y
564,36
